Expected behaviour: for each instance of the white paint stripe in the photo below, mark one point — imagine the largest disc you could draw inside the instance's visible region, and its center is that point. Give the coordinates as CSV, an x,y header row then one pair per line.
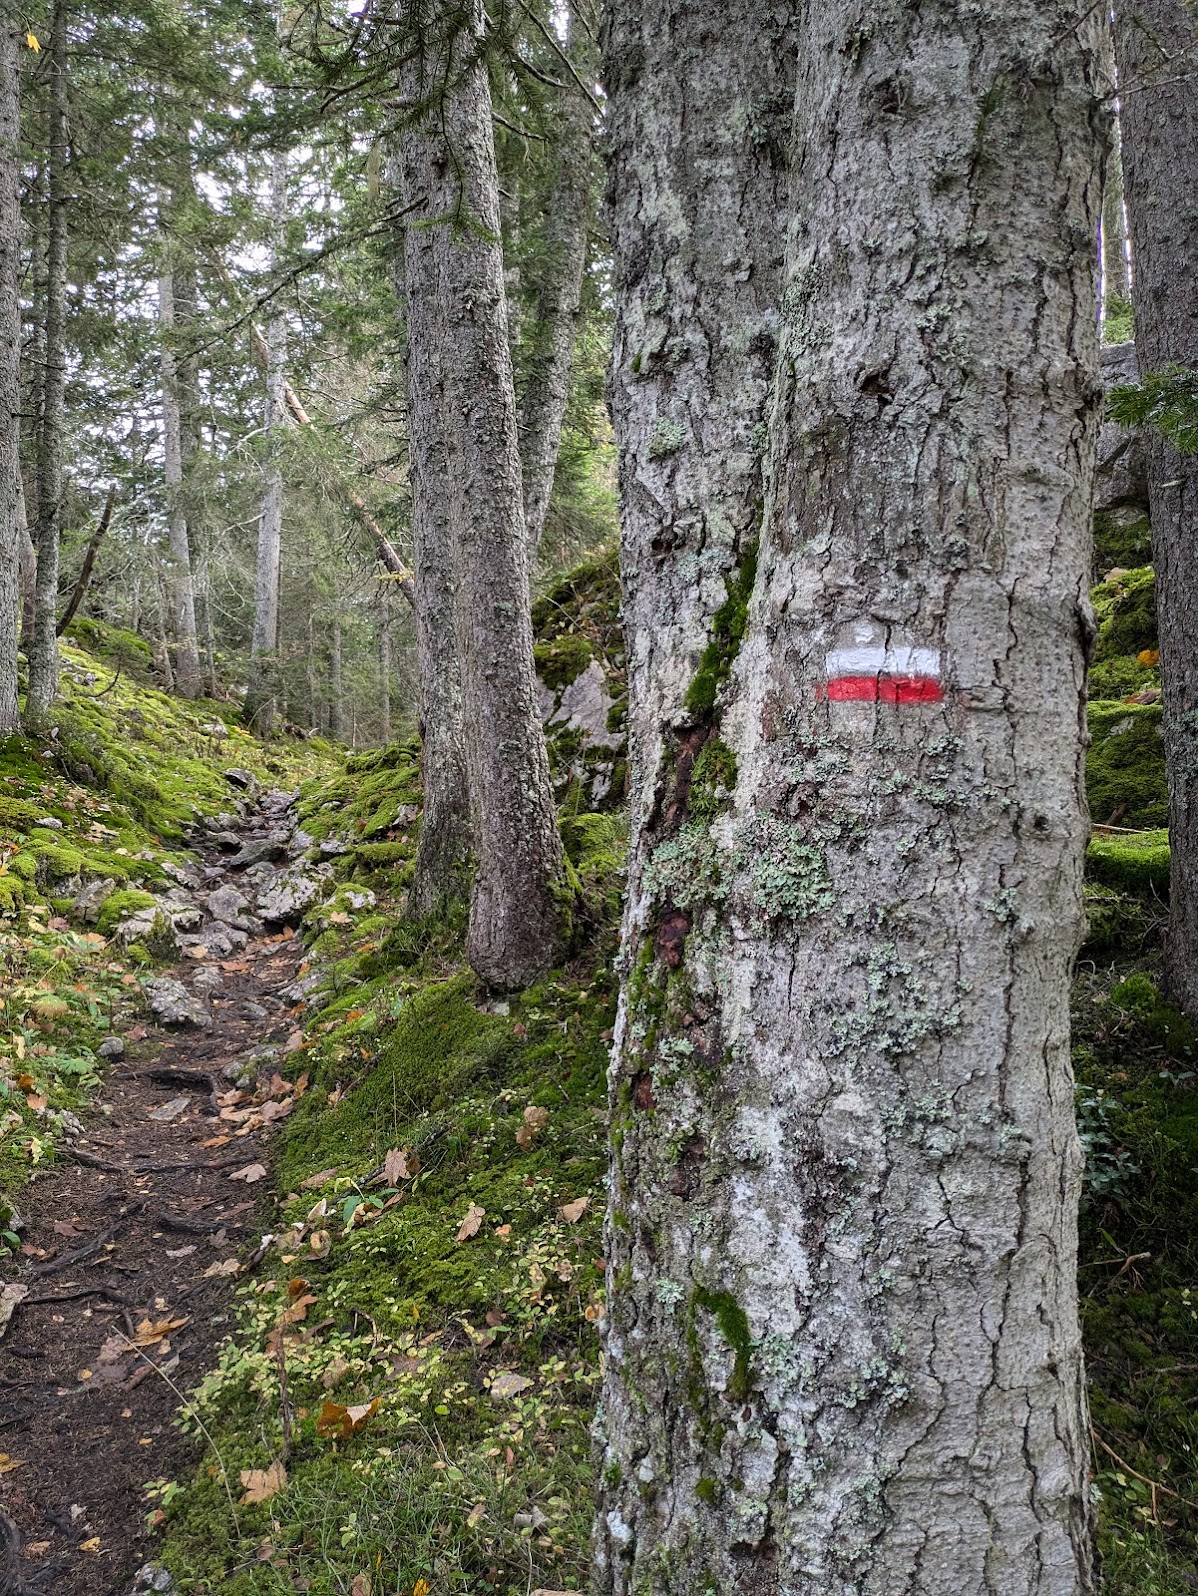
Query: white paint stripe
x,y
877,661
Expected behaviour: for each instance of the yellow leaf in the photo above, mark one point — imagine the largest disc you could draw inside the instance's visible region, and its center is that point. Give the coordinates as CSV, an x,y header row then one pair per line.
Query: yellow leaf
x,y
335,1422
32,42
1149,656
421,1588
7,1464
475,1513
92,1545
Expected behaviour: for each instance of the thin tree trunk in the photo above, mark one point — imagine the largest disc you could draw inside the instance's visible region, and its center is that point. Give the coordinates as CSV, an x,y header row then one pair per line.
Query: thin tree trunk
x,y
174,382
1116,277
1156,42
385,673
337,697
550,342
28,577
313,694
43,656
446,842
260,706
515,910
13,532
843,1355
165,668
89,560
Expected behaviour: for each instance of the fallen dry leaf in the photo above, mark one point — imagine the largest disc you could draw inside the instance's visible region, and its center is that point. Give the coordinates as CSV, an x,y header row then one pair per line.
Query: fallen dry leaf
x,y
573,1212
217,1141
506,1386
475,1513
66,1227
321,1243
470,1225
314,1181
229,1266
336,1369
421,1588
250,1173
336,1423
37,1102
91,1545
535,1121
150,1331
400,1164
180,1252
8,1464
262,1484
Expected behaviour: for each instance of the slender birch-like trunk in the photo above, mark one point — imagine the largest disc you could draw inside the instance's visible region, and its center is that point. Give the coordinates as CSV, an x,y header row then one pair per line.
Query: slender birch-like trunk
x,y
843,1355
13,532
385,672
260,706
336,692
182,587
459,342
1116,276
1157,45
43,653
562,260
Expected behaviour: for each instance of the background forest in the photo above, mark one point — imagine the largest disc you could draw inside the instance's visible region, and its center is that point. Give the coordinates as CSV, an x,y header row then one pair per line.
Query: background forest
x,y
301,1202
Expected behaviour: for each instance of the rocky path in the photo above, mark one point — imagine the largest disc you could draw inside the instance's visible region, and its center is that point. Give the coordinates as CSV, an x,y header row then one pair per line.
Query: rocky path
x,y
135,1236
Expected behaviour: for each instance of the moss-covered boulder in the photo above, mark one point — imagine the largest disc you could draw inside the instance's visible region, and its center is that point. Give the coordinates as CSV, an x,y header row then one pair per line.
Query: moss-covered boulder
x,y
1125,605
1136,863
1125,766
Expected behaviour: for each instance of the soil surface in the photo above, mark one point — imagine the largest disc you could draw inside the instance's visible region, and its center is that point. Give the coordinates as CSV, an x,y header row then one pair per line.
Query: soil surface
x,y
124,1237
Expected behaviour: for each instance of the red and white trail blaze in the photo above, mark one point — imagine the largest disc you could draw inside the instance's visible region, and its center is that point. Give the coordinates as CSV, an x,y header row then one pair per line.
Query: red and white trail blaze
x,y
883,674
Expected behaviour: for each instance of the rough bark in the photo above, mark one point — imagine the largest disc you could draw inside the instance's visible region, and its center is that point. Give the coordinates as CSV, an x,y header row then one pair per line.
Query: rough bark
x,y
843,1355
43,654
261,709
515,907
12,519
446,842
1157,56
183,612
384,672
562,262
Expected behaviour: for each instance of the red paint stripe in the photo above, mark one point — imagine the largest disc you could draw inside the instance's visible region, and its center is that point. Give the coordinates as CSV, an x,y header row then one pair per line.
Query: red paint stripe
x,y
885,689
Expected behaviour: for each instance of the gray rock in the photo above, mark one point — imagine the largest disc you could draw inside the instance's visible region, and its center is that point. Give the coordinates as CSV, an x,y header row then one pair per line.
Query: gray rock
x,y
152,1577
228,840
254,1011
172,1004
260,850
583,707
181,875
334,845
231,906
244,779
1121,472
91,900
112,1047
214,728
186,917
300,842
304,988
287,897
215,941
49,820
358,898
207,979
222,822
152,928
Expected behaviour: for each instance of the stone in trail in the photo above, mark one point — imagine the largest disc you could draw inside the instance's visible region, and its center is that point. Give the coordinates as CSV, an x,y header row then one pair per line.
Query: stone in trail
x,y
92,898
111,1047
260,850
172,1004
286,898
231,906
245,779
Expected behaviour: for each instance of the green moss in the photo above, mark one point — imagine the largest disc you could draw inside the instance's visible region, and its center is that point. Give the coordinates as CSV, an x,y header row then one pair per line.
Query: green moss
x,y
56,861
727,633
713,780
1126,610
120,904
1118,924
733,1324
377,855
114,646
1125,765
708,1490
1139,998
1136,863
1121,677
563,660
1122,537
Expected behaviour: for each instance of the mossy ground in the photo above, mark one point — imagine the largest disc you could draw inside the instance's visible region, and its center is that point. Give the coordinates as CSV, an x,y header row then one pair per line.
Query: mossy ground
x,y
472,1473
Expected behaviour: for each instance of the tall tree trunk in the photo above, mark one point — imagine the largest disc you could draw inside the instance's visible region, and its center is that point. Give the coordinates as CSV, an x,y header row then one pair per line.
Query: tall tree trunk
x,y
1116,277
313,691
13,533
336,693
260,706
183,616
550,341
515,911
446,842
43,656
28,556
89,559
843,1355
1159,117
385,671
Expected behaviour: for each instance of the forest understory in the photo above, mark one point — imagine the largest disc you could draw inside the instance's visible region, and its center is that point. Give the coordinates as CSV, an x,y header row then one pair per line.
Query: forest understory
x,y
305,1296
